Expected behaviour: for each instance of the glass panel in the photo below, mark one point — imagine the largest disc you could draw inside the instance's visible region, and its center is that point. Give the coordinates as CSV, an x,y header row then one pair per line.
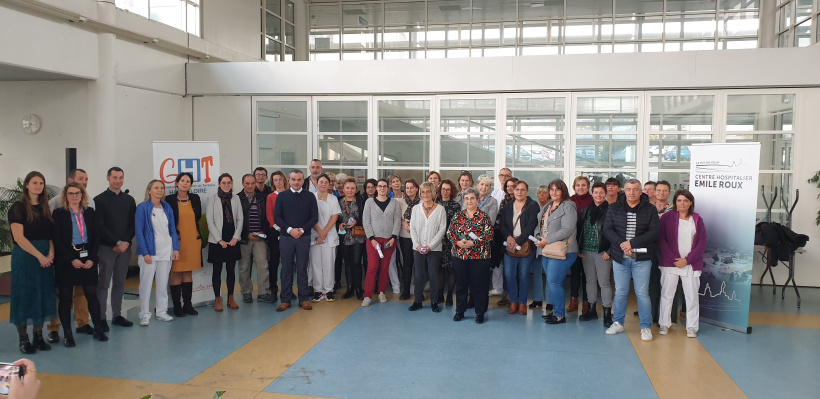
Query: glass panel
x,y
804,8
464,150
783,39
273,26
169,12
606,150
784,17
404,150
537,178
690,26
498,52
536,114
289,35
603,114
760,112
324,39
273,50
776,150
369,14
602,175
350,150
453,11
776,181
698,45
535,150
739,24
588,30
289,11
458,35
274,6
677,180
140,7
738,4
324,56
468,115
453,175
361,38
494,10
690,5
404,116
550,9
639,28
777,217
290,52
638,6
342,116
671,151
192,23
403,54
650,47
737,44
404,36
533,32
325,15
458,53
282,149
281,116
682,113
802,34
579,8
410,13
582,49
436,35
418,174
539,50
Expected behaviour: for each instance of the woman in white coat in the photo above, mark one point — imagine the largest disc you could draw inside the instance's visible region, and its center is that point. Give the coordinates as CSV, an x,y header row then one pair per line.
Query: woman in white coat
x,y
324,240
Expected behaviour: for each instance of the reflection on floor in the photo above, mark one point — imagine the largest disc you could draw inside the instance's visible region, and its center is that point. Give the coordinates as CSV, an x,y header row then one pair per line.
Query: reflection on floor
x,y
339,350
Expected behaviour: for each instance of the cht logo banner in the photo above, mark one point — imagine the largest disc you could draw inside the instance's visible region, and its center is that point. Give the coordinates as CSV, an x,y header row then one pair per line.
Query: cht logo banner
x,y
200,168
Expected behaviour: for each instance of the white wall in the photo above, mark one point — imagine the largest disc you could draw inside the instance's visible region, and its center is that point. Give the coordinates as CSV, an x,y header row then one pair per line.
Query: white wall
x,y
226,120
235,24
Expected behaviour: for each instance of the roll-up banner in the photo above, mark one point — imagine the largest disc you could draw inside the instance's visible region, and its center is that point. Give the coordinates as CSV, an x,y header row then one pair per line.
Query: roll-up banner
x,y
201,159
723,180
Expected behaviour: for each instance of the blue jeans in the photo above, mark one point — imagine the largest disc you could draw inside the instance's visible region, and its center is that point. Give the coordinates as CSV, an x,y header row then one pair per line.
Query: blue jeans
x,y
517,276
540,292
556,270
639,272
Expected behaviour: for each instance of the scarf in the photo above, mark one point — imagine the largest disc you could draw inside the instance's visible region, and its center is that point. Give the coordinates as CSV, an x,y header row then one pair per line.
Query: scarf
x,y
595,211
410,205
582,201
507,198
226,204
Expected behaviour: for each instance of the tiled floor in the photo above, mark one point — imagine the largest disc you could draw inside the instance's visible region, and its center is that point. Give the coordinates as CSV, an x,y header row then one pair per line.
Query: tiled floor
x,y
341,350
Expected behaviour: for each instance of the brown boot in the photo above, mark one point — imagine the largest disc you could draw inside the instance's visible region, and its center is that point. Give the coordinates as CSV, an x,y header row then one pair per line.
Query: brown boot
x,y
584,307
522,309
513,308
231,303
218,304
573,305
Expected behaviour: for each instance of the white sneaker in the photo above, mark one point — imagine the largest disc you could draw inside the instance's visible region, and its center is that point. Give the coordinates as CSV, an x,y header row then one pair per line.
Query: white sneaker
x,y
144,320
495,292
164,317
664,330
614,328
396,292
646,334
382,297
691,333
366,302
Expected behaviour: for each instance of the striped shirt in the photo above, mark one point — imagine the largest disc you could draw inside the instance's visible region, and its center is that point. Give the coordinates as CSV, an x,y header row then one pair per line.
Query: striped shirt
x,y
254,222
631,224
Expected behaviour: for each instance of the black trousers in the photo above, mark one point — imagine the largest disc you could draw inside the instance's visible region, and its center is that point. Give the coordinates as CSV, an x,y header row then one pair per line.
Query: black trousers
x,y
427,266
273,262
66,298
352,255
337,269
472,274
407,260
230,280
295,253
577,280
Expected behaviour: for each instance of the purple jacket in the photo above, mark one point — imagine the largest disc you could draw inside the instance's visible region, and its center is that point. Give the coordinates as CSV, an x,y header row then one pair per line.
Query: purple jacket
x,y
668,240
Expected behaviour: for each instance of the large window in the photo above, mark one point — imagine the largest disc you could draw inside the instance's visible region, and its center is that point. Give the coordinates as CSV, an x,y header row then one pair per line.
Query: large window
x,y
404,137
278,30
181,14
795,19
494,28
282,134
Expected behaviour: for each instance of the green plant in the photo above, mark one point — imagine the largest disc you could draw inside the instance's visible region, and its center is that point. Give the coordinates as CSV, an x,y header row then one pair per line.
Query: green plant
x,y
203,230
816,180
8,196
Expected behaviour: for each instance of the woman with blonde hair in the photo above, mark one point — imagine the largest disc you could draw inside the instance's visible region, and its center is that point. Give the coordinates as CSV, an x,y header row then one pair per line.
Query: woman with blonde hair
x,y
427,228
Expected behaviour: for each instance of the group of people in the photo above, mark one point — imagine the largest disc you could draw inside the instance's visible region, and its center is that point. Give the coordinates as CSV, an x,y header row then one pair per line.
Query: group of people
x,y
464,239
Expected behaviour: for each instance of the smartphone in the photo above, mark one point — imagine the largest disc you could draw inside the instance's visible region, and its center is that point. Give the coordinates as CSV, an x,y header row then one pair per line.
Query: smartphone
x,y
261,235
7,372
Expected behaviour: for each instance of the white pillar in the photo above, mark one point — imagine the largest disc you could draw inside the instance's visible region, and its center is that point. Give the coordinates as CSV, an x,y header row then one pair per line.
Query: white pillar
x,y
103,95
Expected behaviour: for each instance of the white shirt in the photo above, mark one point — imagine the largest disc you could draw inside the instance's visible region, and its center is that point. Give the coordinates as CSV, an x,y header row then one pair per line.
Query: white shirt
x,y
686,236
312,187
162,239
327,208
498,194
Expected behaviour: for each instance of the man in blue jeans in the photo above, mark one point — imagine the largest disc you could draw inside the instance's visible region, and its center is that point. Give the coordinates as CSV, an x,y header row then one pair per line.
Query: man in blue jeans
x,y
631,227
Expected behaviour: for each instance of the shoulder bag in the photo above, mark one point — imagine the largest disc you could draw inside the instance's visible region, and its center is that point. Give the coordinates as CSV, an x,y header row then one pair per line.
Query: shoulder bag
x,y
357,230
526,248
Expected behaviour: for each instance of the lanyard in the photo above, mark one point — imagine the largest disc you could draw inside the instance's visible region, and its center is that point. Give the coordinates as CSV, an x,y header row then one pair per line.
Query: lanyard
x,y
80,224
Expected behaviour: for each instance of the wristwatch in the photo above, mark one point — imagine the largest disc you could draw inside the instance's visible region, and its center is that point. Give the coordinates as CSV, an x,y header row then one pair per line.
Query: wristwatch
x,y
118,243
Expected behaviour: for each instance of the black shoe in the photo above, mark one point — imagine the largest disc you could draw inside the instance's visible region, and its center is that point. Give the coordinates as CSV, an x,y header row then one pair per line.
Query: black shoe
x,y
635,313
536,304
26,347
549,308
555,320
104,325
404,296
435,307
415,306
86,329
479,319
348,294
607,317
68,341
99,335
458,316
178,312
53,337
591,314
449,301
121,321
548,316
359,295
189,309
247,298
40,343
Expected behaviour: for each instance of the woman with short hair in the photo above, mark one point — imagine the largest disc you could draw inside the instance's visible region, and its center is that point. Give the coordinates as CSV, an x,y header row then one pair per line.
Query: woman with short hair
x,y
682,242
324,240
278,184
517,222
427,228
351,248
225,219
187,209
471,234
435,178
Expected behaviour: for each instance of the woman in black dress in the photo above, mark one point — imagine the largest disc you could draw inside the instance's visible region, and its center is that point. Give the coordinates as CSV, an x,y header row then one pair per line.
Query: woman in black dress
x,y
224,215
76,245
33,300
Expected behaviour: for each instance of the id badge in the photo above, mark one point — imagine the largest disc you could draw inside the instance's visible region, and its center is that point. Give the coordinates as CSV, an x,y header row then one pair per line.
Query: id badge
x,y
83,254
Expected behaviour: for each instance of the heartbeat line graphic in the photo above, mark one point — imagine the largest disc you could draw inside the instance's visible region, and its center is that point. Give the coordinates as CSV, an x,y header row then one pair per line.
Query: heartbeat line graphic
x,y
722,292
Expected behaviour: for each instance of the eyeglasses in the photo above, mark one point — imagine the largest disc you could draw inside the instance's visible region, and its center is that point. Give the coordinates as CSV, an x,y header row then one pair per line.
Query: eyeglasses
x,y
74,194
261,174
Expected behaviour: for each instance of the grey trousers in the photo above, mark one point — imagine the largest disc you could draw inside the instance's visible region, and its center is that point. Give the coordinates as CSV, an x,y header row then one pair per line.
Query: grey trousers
x,y
598,272
258,252
426,266
113,269
294,258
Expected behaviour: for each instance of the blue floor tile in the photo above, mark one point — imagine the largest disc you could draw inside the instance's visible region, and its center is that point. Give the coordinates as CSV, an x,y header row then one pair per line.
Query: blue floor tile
x,y
384,351
762,300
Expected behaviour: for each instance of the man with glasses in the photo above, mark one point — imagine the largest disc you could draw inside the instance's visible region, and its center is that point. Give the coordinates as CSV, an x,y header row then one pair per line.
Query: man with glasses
x,y
261,176
497,284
